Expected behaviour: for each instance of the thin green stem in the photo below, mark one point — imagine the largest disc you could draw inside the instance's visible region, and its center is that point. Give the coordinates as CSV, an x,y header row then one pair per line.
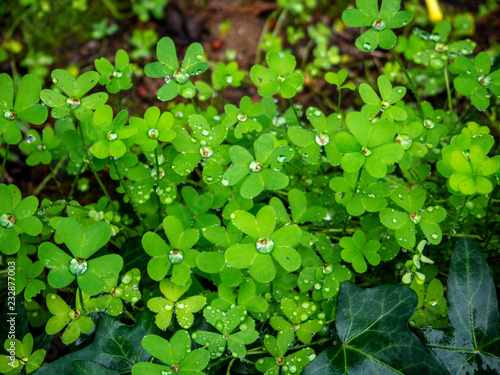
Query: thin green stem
x,y
228,371
457,219
5,157
47,178
410,82
195,106
346,217
340,96
73,185
127,191
158,202
101,185
120,100
294,110
265,29
448,91
58,184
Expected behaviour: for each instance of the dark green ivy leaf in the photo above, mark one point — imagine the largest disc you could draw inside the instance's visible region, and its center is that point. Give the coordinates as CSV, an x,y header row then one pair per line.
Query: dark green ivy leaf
x,y
471,343
372,325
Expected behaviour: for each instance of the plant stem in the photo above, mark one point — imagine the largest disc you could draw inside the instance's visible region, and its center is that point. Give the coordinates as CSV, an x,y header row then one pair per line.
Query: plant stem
x,y
73,185
6,155
410,82
101,185
346,217
53,172
58,184
195,106
304,173
120,100
127,192
340,95
457,219
157,185
448,91
294,110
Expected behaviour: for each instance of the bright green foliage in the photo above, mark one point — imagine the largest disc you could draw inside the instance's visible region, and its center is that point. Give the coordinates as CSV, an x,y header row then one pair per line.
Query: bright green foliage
x,y
245,118
115,78
357,249
264,244
25,107
16,216
226,75
268,152
367,14
39,149
176,78
227,323
338,80
370,199
203,143
176,355
24,356
76,101
82,243
109,132
280,76
431,306
310,143
403,223
112,303
439,53
475,79
155,127
466,163
298,319
143,41
277,347
390,96
184,309
248,294
62,314
179,254
371,145
26,277
144,7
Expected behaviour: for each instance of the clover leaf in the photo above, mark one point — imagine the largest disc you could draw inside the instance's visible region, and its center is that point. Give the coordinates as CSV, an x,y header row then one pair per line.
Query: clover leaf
x,y
25,107
176,78
16,217
23,356
357,249
310,143
39,149
404,222
245,118
264,244
380,22
249,295
385,103
431,306
226,322
112,303
280,76
176,356
109,133
338,80
225,75
203,143
82,243
76,100
476,80
62,315
115,78
298,319
179,254
166,307
26,277
268,150
278,347
153,128
370,145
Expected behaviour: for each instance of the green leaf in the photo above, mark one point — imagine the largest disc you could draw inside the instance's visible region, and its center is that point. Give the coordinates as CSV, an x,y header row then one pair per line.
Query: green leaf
x,y
116,346
470,343
373,332
83,243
